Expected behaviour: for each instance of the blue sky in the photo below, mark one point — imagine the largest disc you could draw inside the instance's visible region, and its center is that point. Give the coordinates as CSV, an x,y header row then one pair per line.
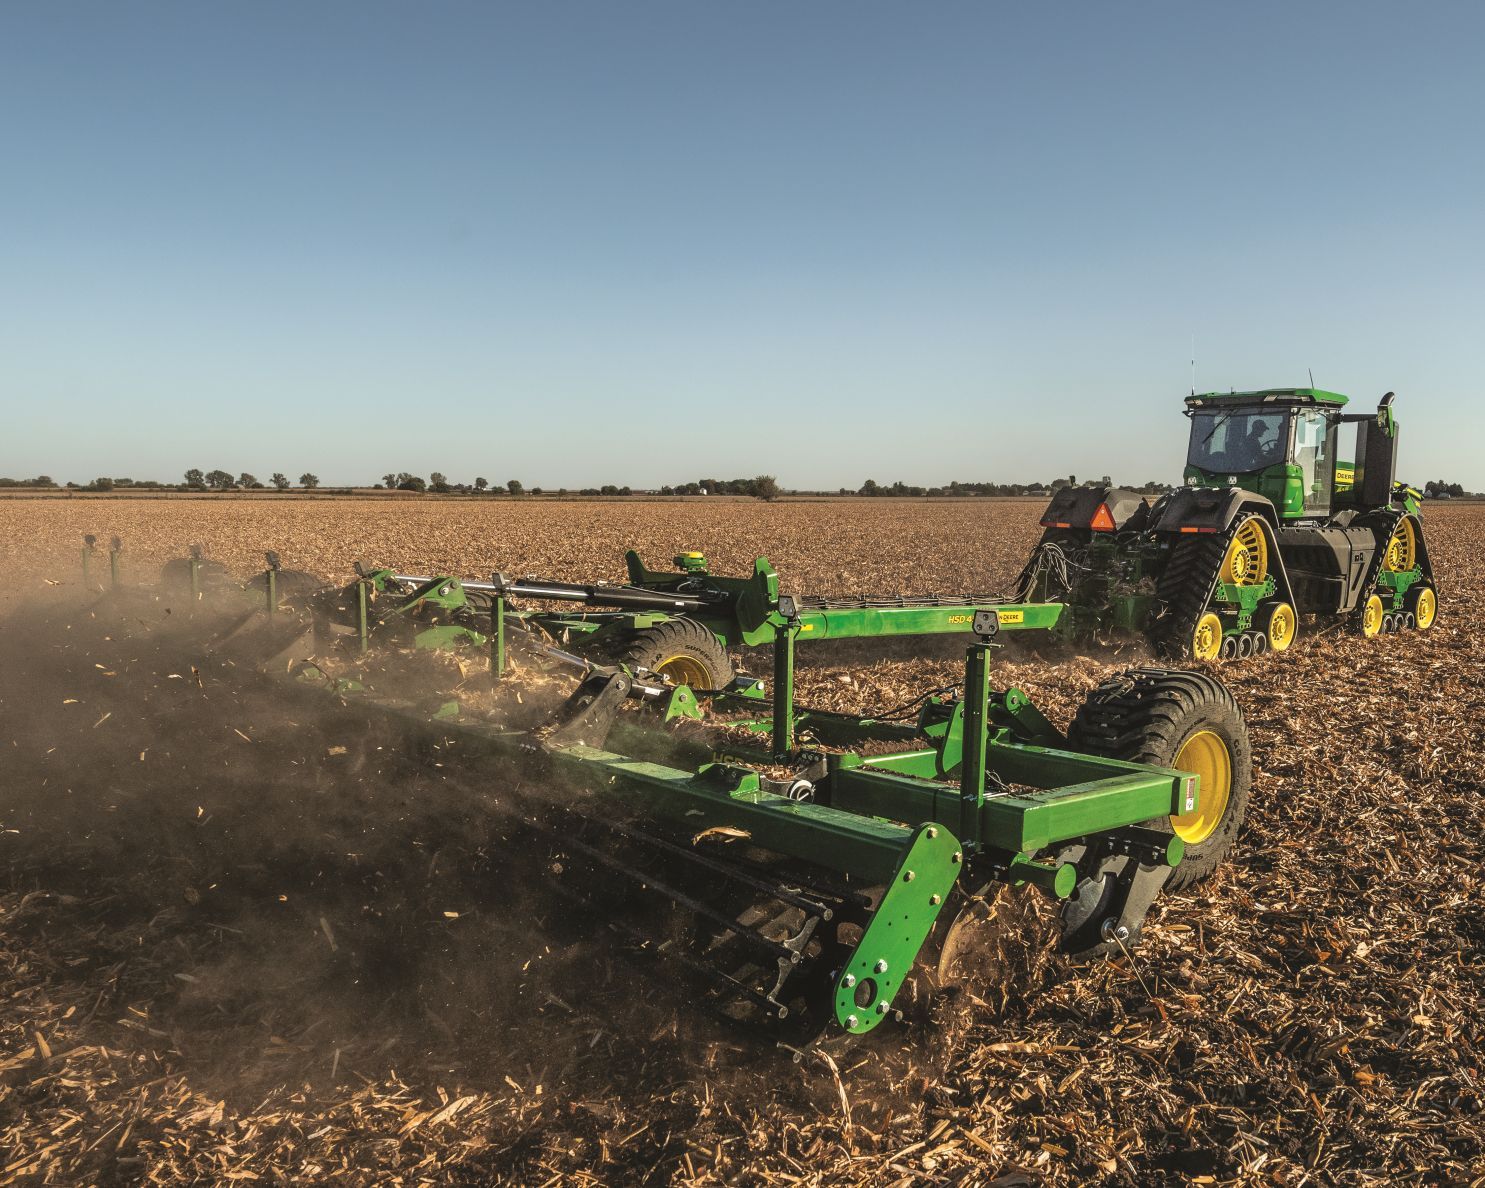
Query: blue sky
x,y
640,243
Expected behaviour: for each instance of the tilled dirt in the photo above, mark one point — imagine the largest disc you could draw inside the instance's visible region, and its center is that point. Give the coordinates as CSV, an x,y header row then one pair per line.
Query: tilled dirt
x,y
246,938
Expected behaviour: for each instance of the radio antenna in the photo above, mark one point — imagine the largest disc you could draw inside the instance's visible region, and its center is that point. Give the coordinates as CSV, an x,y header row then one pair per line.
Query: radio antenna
x,y
1311,370
1193,365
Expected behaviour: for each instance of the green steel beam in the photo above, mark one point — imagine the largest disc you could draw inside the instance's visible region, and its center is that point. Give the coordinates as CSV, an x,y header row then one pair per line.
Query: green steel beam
x,y
845,842
976,738
1032,822
868,622
1123,794
783,692
363,619
826,726
875,792
1050,767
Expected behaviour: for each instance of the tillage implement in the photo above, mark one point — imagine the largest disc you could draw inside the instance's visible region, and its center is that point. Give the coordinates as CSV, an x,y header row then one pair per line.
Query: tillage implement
x,y
792,868
679,624
1290,508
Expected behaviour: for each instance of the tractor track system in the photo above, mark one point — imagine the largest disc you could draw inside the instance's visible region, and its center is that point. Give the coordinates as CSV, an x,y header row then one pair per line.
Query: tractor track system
x,y
1185,588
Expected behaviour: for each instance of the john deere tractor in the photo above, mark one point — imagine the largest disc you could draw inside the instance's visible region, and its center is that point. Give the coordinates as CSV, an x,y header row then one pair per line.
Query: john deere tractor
x,y
1281,516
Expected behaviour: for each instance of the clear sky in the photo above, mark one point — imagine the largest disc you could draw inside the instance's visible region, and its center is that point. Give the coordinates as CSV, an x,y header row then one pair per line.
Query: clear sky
x,y
577,243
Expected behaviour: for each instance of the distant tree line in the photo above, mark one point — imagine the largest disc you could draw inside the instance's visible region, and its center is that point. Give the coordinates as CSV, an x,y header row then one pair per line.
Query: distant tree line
x,y
223,480
958,489
1439,489
438,483
763,486
194,480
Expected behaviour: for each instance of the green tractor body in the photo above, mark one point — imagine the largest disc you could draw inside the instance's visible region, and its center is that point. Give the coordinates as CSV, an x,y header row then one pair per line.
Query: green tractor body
x,y
1275,444
1279,516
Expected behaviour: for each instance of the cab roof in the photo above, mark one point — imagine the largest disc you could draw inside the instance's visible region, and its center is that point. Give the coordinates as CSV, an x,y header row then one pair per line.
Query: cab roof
x,y
1266,396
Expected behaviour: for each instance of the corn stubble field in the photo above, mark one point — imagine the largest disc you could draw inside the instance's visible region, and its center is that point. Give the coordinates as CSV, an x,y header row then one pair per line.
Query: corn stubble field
x,y
240,946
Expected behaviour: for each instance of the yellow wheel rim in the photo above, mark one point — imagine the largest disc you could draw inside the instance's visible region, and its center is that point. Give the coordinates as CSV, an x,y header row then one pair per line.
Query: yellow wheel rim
x,y
1283,626
1205,755
1402,549
685,670
1246,562
1425,608
1206,640
1371,616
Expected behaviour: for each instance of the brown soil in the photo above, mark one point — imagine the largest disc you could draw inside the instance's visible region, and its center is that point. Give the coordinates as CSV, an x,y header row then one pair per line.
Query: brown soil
x,y
245,938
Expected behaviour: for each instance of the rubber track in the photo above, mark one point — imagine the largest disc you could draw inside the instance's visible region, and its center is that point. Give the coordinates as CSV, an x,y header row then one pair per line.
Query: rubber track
x,y
1185,587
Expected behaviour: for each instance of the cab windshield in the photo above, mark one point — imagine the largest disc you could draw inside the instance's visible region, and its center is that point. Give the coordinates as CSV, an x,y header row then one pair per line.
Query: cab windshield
x,y
1239,441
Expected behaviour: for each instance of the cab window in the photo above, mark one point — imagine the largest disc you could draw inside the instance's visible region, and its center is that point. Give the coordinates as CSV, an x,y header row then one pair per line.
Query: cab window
x,y
1312,456
1238,442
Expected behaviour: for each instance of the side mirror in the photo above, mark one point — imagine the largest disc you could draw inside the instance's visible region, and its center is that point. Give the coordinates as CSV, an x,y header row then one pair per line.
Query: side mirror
x,y
1385,420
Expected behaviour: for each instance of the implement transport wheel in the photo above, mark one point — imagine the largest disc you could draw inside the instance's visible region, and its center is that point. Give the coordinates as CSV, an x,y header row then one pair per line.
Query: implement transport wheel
x,y
1282,627
1423,604
1369,618
1188,721
681,650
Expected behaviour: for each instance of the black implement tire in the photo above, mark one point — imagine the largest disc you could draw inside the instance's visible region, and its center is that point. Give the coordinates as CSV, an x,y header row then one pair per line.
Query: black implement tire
x,y
1147,715
681,649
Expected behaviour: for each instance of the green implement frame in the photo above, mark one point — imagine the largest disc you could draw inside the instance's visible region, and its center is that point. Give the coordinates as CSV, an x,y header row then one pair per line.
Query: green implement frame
x,y
877,823
980,790
740,611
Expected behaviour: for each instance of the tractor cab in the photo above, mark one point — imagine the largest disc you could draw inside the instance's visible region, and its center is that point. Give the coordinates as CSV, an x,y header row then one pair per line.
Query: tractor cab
x,y
1282,443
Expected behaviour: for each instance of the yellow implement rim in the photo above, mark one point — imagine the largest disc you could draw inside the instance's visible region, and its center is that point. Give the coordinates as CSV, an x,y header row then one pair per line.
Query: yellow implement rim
x,y
1206,640
1246,562
1205,753
1402,549
1426,609
1282,627
685,670
1371,616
